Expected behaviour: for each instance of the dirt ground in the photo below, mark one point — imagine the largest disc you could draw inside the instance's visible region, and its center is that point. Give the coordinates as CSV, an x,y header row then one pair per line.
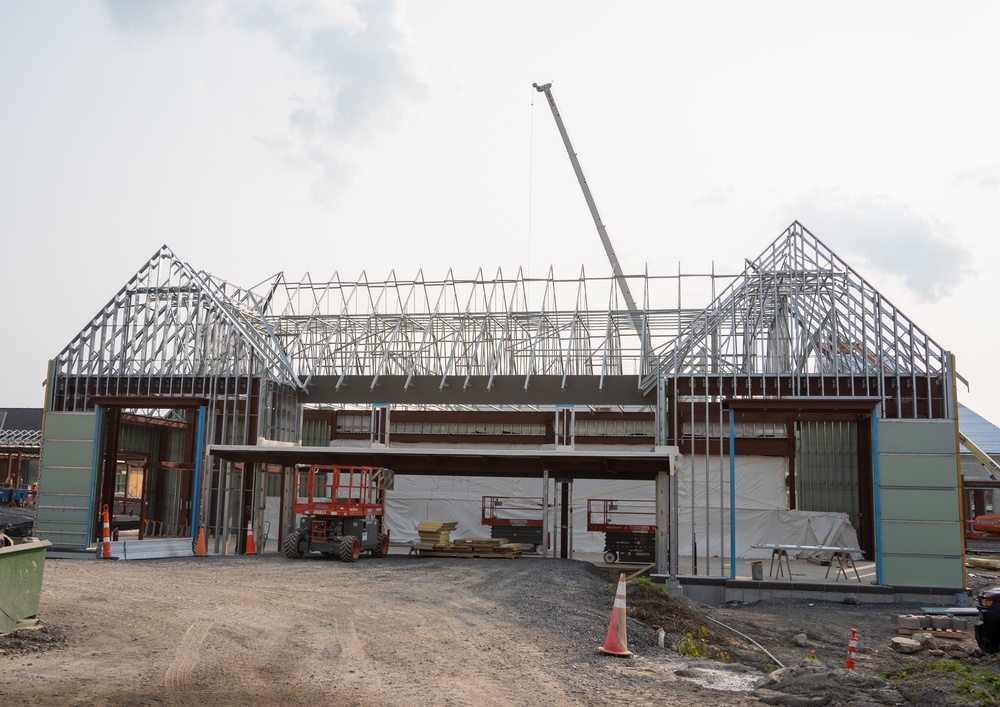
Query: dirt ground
x,y
404,630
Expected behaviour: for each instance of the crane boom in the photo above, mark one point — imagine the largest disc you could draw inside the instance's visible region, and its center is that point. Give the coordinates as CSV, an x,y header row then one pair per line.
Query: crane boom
x,y
601,230
979,454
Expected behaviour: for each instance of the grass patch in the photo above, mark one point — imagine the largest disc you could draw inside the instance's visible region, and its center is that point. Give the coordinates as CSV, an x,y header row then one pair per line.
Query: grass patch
x,y
979,684
648,582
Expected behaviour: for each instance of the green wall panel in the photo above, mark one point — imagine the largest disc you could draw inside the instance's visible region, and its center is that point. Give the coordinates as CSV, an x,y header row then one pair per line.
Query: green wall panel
x,y
917,437
61,453
922,538
945,572
917,470
919,504
65,479
918,484
70,425
61,514
60,480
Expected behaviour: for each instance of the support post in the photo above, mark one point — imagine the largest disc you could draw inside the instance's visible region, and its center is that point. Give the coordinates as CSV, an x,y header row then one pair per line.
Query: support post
x,y
675,514
662,519
732,494
545,513
565,515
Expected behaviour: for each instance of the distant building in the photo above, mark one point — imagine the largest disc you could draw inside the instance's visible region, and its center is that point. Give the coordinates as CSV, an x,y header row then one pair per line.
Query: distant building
x,y
20,444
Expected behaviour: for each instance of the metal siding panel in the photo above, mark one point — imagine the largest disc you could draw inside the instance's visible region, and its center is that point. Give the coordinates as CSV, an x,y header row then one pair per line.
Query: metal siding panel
x,y
946,572
70,426
918,484
922,538
917,437
66,477
75,454
917,505
916,470
60,481
61,514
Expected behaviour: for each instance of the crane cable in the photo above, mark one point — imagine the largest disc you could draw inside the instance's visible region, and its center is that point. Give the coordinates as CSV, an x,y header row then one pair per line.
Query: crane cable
x,y
531,160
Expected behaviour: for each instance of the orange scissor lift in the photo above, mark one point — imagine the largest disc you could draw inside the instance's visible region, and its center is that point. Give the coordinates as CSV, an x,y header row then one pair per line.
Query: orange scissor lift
x,y
343,512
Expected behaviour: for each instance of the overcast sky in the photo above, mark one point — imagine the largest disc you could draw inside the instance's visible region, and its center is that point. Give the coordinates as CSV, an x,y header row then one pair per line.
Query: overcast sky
x,y
253,137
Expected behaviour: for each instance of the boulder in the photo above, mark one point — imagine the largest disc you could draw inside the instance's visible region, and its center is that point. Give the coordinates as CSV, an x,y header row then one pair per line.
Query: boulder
x,y
901,644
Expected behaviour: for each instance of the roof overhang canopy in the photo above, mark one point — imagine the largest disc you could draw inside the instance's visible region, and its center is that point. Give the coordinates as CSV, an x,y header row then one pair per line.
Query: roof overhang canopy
x,y
482,460
826,407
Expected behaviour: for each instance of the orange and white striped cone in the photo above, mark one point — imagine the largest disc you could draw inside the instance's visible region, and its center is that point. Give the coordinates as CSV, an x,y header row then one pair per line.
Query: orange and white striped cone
x,y
250,548
852,648
199,549
106,542
617,641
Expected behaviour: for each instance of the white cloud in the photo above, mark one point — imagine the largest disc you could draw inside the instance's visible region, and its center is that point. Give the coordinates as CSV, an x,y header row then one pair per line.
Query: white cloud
x,y
155,16
984,179
887,236
716,198
364,82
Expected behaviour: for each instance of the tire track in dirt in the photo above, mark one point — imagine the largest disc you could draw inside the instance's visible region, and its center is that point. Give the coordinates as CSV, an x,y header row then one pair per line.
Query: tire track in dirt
x,y
178,675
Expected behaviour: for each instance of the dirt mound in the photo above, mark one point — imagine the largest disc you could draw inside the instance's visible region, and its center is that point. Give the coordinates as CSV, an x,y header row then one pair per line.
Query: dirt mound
x,y
33,640
16,522
809,638
657,609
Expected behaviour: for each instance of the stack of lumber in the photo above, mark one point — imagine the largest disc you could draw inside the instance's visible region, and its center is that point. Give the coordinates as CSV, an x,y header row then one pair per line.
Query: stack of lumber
x,y
434,534
985,563
435,541
485,547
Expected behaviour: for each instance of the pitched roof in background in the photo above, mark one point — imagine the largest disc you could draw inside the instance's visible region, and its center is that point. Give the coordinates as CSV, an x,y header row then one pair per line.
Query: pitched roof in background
x,y
985,435
20,429
21,419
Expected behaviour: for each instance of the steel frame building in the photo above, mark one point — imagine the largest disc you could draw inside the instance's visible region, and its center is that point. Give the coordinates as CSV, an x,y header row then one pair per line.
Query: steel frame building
x,y
207,384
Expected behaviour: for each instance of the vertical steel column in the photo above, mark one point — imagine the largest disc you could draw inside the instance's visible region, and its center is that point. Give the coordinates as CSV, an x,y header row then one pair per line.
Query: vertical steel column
x,y
662,518
288,486
732,495
565,531
666,530
199,449
674,521
878,504
545,513
570,505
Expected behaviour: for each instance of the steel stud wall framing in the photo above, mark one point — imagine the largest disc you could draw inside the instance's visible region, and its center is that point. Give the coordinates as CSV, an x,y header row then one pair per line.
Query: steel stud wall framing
x,y
798,321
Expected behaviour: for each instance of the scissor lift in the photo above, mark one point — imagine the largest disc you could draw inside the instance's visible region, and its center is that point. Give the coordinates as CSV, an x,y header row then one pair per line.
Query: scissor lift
x,y
342,511
629,528
517,519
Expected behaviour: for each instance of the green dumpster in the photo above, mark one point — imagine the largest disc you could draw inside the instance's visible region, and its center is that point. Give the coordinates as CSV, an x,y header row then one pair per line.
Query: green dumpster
x,y
20,582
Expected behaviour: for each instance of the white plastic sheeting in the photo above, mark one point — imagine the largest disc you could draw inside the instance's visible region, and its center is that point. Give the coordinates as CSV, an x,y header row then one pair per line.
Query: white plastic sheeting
x,y
762,515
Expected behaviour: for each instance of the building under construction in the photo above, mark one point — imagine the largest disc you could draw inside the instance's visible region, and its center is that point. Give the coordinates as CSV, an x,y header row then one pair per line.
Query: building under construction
x,y
187,400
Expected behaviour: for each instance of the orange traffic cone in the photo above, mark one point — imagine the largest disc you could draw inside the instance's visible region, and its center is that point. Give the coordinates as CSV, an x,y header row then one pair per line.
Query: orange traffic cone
x,y
617,641
200,550
852,648
106,543
250,549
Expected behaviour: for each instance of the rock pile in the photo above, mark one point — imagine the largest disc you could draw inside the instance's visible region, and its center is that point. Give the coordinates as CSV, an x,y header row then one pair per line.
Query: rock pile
x,y
935,647
810,683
